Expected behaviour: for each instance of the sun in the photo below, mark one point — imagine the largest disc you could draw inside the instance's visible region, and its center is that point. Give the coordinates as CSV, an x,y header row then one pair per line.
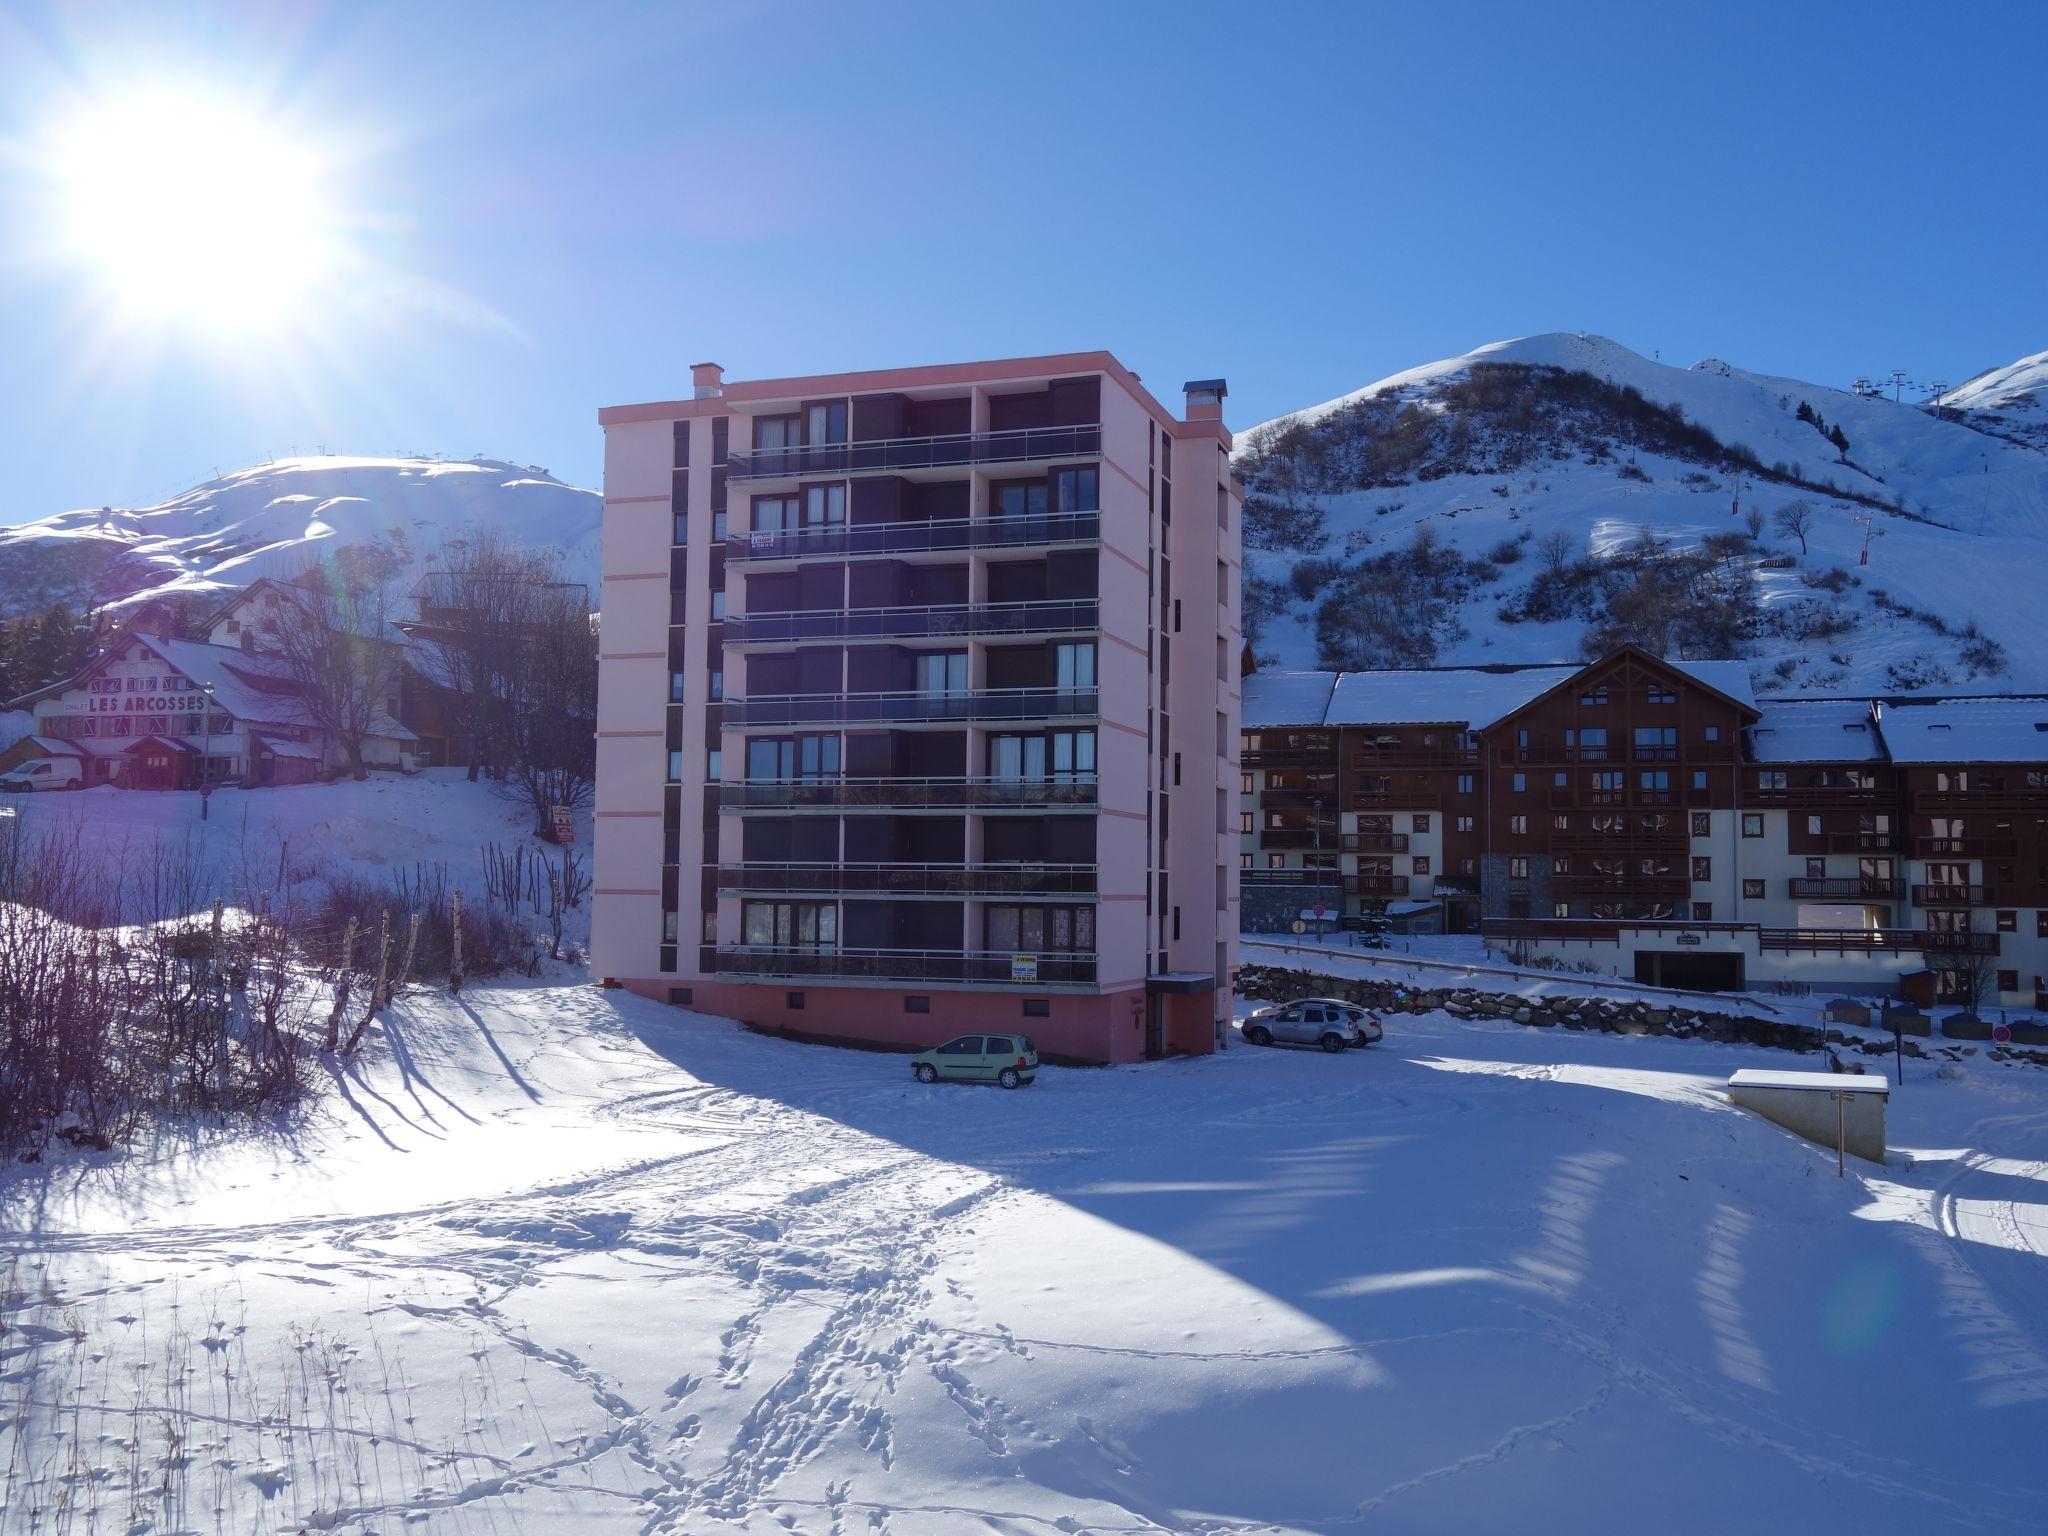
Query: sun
x,y
193,212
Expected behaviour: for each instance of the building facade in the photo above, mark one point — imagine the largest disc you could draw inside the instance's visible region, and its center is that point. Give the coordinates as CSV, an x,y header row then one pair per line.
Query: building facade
x,y
919,705
1652,819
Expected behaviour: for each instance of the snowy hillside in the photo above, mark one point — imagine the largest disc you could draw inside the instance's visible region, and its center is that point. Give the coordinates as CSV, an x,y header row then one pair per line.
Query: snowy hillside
x,y
2012,401
1531,469
268,520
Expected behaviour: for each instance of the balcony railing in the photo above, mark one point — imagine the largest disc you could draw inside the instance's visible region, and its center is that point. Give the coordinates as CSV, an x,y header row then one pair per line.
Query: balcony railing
x,y
1058,616
1288,757
911,879
1299,837
1950,896
1297,799
1375,842
1966,847
1042,970
1868,940
1376,885
977,704
912,536
1380,800
1588,883
1855,887
909,793
890,453
1329,879
1371,758
1846,842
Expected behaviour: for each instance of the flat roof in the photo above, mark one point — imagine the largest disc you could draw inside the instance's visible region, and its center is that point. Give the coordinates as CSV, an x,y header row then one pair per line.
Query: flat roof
x,y
1814,1082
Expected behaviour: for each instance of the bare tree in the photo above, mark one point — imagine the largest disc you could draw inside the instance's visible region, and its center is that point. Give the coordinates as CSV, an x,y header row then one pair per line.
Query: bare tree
x,y
1794,520
1969,975
334,639
1556,549
1753,520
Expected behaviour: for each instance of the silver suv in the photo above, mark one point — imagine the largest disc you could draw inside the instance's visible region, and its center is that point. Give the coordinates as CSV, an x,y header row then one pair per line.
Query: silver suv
x,y
1326,1021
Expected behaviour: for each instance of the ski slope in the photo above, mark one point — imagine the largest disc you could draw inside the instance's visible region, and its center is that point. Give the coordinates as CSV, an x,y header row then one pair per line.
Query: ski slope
x,y
551,1259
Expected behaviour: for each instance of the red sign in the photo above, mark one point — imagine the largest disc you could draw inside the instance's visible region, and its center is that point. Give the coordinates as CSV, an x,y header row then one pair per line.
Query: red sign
x,y
565,824
2001,1034
1317,909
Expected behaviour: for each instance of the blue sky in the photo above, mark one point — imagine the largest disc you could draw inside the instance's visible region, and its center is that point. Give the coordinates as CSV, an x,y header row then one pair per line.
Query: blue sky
x,y
562,207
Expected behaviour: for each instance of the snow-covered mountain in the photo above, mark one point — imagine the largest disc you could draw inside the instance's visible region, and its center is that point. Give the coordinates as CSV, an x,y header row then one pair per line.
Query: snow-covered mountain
x,y
268,520
1494,507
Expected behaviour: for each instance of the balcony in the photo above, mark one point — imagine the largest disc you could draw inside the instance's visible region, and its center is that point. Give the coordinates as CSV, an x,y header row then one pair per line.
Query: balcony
x,y
1628,884
1289,757
1379,759
1877,940
909,879
911,708
1297,799
1965,847
1048,970
1820,796
1375,842
910,793
888,454
953,620
1846,842
1326,879
1849,887
1950,896
1299,837
1378,886
1378,801
913,536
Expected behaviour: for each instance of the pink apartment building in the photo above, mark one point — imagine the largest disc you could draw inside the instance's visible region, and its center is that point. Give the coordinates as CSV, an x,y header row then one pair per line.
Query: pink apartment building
x,y
918,710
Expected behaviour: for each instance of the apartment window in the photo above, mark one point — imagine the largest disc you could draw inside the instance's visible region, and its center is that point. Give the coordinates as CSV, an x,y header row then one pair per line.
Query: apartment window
x,y
793,999
709,933
2008,981
1594,696
1702,824
2041,925
717,685
1244,821
1075,665
675,767
777,432
1021,498
668,927
1073,756
1702,867
1276,861
1560,822
1468,866
825,422
1560,779
1421,824
1176,925
1712,733
718,603
1752,824
811,925
1244,783
1813,826
675,687
1037,1007
915,1004
824,505
2008,922
1464,823
1816,869
774,514
942,674
1699,778
1421,863
1030,930
1244,861
721,427
1560,909
718,526
1518,869
1590,743
1753,890
1703,911
1657,693
714,760
1176,781
682,533
1522,744
1519,825
1655,741
1770,778
1075,490
1222,660
1464,783
1520,783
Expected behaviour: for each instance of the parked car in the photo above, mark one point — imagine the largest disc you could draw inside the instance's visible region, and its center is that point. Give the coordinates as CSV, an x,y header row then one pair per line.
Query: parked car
x,y
1329,1022
1011,1060
44,773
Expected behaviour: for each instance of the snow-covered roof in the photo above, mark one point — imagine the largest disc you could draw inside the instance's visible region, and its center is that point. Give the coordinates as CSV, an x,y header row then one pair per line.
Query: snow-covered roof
x,y
1815,731
1812,1082
280,747
1968,731
1286,698
1474,696
51,746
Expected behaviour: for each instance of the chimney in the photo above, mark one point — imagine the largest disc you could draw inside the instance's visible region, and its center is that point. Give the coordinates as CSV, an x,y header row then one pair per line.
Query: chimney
x,y
1205,399
708,380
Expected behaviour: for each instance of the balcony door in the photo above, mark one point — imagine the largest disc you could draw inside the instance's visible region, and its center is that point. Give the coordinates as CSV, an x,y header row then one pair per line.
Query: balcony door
x,y
803,925
941,674
825,506
1017,759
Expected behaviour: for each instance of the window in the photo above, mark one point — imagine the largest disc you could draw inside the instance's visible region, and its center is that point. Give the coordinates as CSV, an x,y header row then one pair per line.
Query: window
x,y
1590,743
1770,778
1244,821
1519,783
1021,498
1073,757
682,536
810,925
1464,823
1074,490
1816,869
675,767
1031,930
718,603
1702,867
1075,665
777,432
1560,822
1560,779
2008,981
1752,890
1276,861
1421,863
1654,783
680,997
2008,922
1518,869
917,1005
717,685
1223,583
1519,825
1244,783
2041,925
1657,693
1594,696
1656,741
1712,733
772,514
1703,911
1037,1007
675,687
793,999
1244,861
1464,783
824,505
825,422
714,760
1752,824
942,674
1421,824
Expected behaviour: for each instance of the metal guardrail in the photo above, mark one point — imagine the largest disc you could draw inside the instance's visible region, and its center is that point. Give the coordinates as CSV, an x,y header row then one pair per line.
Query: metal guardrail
x,y
910,792
1053,616
1013,446
1066,969
912,536
974,704
753,875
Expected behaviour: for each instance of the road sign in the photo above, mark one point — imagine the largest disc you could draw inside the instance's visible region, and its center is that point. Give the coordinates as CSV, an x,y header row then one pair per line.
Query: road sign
x,y
1300,926
564,823
2001,1033
1319,909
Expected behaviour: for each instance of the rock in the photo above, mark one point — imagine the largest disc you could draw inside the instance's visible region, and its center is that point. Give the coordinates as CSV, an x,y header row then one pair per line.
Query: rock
x,y
1950,1072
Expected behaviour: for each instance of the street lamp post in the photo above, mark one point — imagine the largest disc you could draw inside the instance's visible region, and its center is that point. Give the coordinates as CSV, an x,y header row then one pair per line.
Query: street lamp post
x,y
205,748
1315,821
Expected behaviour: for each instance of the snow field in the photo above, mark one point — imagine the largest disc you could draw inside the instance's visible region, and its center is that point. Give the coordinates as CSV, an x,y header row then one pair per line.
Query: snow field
x,y
554,1259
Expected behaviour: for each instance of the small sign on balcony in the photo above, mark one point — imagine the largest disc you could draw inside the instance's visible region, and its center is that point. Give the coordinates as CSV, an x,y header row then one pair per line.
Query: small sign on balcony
x,y
1689,938
761,542
1023,967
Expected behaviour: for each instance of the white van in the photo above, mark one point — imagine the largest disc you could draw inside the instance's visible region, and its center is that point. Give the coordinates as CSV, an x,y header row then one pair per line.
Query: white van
x,y
45,773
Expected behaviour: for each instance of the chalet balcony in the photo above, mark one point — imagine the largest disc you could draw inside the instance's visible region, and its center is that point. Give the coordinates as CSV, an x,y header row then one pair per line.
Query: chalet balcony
x,y
949,621
909,793
1844,888
1950,896
1326,879
892,454
1371,759
1846,842
912,536
1379,801
1375,842
1876,941
912,708
1622,885
900,965
1819,796
909,879
1965,847
1323,758
1376,886
1299,837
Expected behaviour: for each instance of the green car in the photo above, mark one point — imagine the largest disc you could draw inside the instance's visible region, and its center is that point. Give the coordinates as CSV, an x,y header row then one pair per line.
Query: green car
x,y
1011,1060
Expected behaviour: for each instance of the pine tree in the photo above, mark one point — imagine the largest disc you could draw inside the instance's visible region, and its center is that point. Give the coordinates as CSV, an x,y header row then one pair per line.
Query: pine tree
x,y
1805,412
1839,438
